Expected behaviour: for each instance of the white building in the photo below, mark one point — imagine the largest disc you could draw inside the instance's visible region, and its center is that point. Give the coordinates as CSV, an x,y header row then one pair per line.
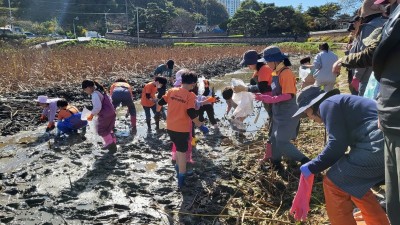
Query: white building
x,y
231,6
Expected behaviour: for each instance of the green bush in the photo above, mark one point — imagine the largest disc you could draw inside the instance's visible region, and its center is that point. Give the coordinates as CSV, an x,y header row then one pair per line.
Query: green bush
x,y
236,35
12,36
94,43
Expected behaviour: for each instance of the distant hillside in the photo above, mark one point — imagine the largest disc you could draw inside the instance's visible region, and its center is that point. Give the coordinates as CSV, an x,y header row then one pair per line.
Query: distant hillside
x,y
92,14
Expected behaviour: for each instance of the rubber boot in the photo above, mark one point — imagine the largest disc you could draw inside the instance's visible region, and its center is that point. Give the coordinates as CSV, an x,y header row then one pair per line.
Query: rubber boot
x,y
114,138
189,169
173,153
176,170
108,140
112,148
148,122
133,124
304,160
181,180
157,119
267,153
277,165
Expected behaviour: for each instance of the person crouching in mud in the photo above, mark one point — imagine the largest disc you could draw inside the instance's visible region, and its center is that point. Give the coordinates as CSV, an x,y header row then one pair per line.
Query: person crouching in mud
x,y
69,119
49,106
283,102
181,109
351,122
103,109
121,94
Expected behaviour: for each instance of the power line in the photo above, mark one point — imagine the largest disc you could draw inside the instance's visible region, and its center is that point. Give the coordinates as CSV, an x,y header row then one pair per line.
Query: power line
x,y
82,13
68,3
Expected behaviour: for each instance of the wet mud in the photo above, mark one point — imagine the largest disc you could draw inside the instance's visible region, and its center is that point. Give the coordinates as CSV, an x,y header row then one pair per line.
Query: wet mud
x,y
74,181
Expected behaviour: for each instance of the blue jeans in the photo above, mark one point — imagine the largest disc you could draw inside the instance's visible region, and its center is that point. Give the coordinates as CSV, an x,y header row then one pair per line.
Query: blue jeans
x,y
71,124
124,98
147,111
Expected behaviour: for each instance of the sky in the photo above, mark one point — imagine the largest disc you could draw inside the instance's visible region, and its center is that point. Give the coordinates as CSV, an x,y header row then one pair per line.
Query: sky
x,y
304,3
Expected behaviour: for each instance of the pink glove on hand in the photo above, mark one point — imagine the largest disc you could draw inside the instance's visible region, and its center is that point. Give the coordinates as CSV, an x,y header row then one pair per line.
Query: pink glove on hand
x,y
355,83
301,202
273,99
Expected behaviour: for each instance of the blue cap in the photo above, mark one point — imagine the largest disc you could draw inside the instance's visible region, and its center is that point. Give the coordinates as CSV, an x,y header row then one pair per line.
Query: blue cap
x,y
272,54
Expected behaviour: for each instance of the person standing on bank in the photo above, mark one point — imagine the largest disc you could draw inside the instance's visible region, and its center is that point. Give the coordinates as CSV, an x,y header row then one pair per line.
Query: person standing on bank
x,y
104,110
181,110
121,94
350,121
283,101
322,66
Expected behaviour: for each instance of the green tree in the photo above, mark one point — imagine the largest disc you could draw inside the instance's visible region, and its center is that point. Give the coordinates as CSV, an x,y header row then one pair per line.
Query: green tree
x,y
250,5
244,22
216,12
266,20
156,18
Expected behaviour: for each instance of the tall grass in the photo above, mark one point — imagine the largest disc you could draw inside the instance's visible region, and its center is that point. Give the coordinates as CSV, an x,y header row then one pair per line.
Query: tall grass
x,y
25,69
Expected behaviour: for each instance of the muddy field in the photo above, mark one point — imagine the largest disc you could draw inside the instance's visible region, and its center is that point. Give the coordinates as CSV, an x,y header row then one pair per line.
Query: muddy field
x,y
75,182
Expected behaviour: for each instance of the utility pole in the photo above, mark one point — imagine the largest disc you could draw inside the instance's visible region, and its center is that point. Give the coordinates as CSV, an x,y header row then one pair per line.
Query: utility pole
x,y
73,23
9,8
126,14
105,19
137,24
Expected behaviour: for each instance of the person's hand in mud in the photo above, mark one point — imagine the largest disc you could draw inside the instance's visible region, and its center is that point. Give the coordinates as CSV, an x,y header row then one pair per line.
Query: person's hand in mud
x,y
42,118
90,117
50,127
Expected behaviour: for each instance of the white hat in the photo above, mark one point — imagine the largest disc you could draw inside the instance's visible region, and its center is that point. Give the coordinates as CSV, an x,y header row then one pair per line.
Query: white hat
x,y
178,74
178,82
43,99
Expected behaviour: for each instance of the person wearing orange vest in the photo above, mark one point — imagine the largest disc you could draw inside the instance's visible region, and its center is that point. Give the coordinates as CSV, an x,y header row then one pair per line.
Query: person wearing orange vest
x,y
149,99
69,118
181,109
121,94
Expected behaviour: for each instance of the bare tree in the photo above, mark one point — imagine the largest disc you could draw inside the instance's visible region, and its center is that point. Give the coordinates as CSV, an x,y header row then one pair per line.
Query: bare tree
x,y
183,22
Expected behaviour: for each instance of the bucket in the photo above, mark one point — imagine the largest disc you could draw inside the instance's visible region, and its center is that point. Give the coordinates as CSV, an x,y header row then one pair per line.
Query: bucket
x,y
85,113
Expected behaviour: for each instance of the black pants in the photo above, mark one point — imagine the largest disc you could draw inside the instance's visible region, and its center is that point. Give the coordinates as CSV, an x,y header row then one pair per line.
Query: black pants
x,y
210,113
180,139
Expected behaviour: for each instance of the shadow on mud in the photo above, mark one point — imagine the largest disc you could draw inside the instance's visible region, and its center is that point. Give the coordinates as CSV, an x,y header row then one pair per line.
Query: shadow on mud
x,y
102,168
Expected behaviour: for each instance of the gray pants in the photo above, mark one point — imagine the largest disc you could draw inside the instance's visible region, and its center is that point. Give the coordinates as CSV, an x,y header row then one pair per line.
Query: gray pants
x,y
285,148
392,177
362,87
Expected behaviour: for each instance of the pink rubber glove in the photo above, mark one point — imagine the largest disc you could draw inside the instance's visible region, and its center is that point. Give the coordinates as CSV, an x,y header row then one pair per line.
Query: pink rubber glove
x,y
355,83
301,202
273,99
